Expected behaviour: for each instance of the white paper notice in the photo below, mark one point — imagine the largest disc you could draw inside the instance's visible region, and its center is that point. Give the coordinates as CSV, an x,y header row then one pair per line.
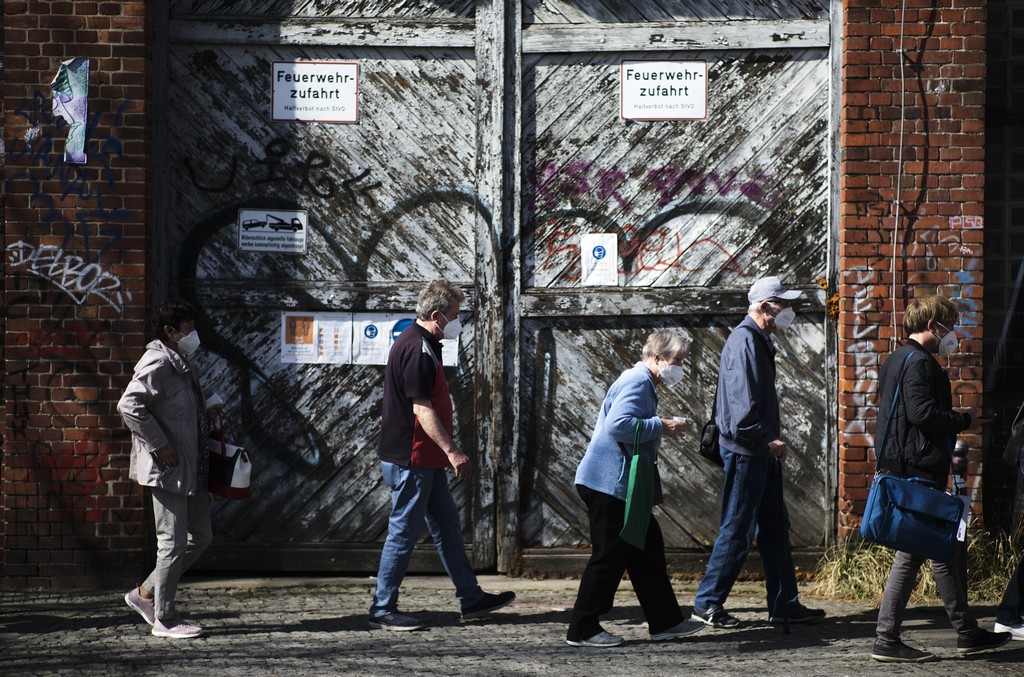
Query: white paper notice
x,y
599,257
371,337
334,334
298,337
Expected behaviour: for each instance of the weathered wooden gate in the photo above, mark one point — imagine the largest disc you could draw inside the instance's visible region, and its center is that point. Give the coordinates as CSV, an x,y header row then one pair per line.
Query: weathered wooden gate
x,y
488,141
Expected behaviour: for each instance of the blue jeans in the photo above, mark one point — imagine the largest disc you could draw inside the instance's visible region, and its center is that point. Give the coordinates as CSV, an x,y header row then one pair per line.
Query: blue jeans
x,y
418,495
752,507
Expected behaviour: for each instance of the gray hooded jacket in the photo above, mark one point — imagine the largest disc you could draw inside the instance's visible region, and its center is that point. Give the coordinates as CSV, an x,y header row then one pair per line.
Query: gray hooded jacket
x,y
159,407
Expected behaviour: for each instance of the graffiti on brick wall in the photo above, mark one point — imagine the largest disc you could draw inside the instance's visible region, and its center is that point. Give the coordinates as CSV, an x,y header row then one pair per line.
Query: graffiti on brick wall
x,y
79,279
60,385
864,351
74,199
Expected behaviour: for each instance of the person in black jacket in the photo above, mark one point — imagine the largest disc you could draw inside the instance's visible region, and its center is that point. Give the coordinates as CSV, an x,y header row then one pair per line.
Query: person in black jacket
x,y
922,432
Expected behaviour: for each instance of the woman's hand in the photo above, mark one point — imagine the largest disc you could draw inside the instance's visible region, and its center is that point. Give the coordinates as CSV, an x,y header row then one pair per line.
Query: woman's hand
x,y
674,427
166,456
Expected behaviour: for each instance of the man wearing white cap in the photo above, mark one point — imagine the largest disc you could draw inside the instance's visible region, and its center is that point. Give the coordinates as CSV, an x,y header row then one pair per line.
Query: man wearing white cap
x,y
747,415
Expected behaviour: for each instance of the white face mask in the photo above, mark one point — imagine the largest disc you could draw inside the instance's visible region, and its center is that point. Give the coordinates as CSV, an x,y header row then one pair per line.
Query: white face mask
x,y
948,343
785,318
452,330
188,343
671,374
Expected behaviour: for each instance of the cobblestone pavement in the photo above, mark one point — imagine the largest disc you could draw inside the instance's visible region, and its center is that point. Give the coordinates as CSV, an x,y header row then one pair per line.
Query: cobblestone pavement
x,y
290,626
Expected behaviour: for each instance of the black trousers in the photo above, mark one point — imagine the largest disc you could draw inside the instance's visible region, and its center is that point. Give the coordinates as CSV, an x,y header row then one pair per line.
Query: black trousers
x,y
1012,607
609,559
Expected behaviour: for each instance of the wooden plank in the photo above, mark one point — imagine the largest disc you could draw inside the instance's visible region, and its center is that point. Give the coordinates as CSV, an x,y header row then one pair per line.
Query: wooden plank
x,y
366,9
496,152
325,32
538,38
690,36
597,11
617,301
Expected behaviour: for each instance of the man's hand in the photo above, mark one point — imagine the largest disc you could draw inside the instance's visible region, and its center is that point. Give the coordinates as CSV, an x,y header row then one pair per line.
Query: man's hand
x,y
778,449
461,463
167,456
977,418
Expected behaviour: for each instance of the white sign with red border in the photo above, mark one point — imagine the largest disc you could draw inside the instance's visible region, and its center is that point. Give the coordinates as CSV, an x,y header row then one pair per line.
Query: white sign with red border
x,y
315,91
663,90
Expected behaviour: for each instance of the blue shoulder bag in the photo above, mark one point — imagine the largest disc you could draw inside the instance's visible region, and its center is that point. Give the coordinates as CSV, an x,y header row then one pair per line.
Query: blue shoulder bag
x,y
910,514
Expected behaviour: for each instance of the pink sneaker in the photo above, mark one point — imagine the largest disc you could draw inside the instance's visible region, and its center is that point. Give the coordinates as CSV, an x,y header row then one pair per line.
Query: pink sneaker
x,y
144,606
175,628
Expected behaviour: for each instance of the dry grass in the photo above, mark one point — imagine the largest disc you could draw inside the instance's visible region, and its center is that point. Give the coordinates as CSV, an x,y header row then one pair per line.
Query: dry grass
x,y
857,570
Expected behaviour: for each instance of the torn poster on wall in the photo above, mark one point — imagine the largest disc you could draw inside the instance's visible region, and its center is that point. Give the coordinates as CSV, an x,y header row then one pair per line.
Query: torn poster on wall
x,y
70,91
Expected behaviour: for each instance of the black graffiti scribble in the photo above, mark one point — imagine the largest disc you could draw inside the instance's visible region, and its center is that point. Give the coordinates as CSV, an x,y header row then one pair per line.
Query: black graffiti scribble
x,y
312,174
309,447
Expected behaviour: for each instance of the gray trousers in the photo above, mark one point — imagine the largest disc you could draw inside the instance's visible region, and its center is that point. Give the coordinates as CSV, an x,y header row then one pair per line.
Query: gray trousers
x,y
182,533
950,580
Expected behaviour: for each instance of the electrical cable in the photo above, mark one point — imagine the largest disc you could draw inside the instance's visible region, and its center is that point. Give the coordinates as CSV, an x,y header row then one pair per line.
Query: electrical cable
x,y
899,173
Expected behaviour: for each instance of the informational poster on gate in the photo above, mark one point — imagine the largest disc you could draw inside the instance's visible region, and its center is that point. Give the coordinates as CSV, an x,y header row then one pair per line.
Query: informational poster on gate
x,y
315,91
663,90
348,338
371,337
272,230
298,337
334,338
599,259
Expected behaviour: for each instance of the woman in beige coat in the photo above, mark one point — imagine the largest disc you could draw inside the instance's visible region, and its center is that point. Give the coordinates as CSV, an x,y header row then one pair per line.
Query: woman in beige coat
x,y
164,408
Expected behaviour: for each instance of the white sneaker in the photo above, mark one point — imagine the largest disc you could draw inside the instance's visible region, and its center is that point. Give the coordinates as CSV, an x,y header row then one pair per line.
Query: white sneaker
x,y
175,628
602,640
143,606
1016,630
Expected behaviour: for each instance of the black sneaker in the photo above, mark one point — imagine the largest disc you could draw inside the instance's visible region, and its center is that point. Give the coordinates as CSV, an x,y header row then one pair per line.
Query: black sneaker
x,y
979,640
488,603
716,618
898,652
396,622
798,613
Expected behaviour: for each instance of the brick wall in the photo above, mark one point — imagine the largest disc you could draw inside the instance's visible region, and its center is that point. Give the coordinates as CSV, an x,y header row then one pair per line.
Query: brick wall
x,y
940,204
74,294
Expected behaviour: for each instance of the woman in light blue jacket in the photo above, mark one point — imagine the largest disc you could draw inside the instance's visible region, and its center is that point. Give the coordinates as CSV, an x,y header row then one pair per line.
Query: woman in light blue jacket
x,y
601,482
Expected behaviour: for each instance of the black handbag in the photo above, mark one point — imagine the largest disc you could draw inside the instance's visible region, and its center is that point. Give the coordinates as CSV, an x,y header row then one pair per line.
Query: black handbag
x,y
709,448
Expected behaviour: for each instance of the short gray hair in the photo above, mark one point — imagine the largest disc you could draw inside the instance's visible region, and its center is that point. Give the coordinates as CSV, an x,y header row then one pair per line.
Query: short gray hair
x,y
437,295
665,342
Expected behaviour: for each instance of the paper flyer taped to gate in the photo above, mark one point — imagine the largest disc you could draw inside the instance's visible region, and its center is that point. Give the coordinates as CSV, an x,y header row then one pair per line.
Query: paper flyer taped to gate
x,y
298,337
371,337
334,338
599,258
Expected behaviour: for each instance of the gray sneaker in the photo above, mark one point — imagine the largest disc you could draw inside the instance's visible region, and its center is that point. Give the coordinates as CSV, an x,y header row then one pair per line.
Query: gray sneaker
x,y
680,629
395,621
144,606
602,640
175,628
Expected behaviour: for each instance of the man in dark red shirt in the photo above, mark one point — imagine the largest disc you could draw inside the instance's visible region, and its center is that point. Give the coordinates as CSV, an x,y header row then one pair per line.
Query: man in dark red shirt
x,y
416,448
